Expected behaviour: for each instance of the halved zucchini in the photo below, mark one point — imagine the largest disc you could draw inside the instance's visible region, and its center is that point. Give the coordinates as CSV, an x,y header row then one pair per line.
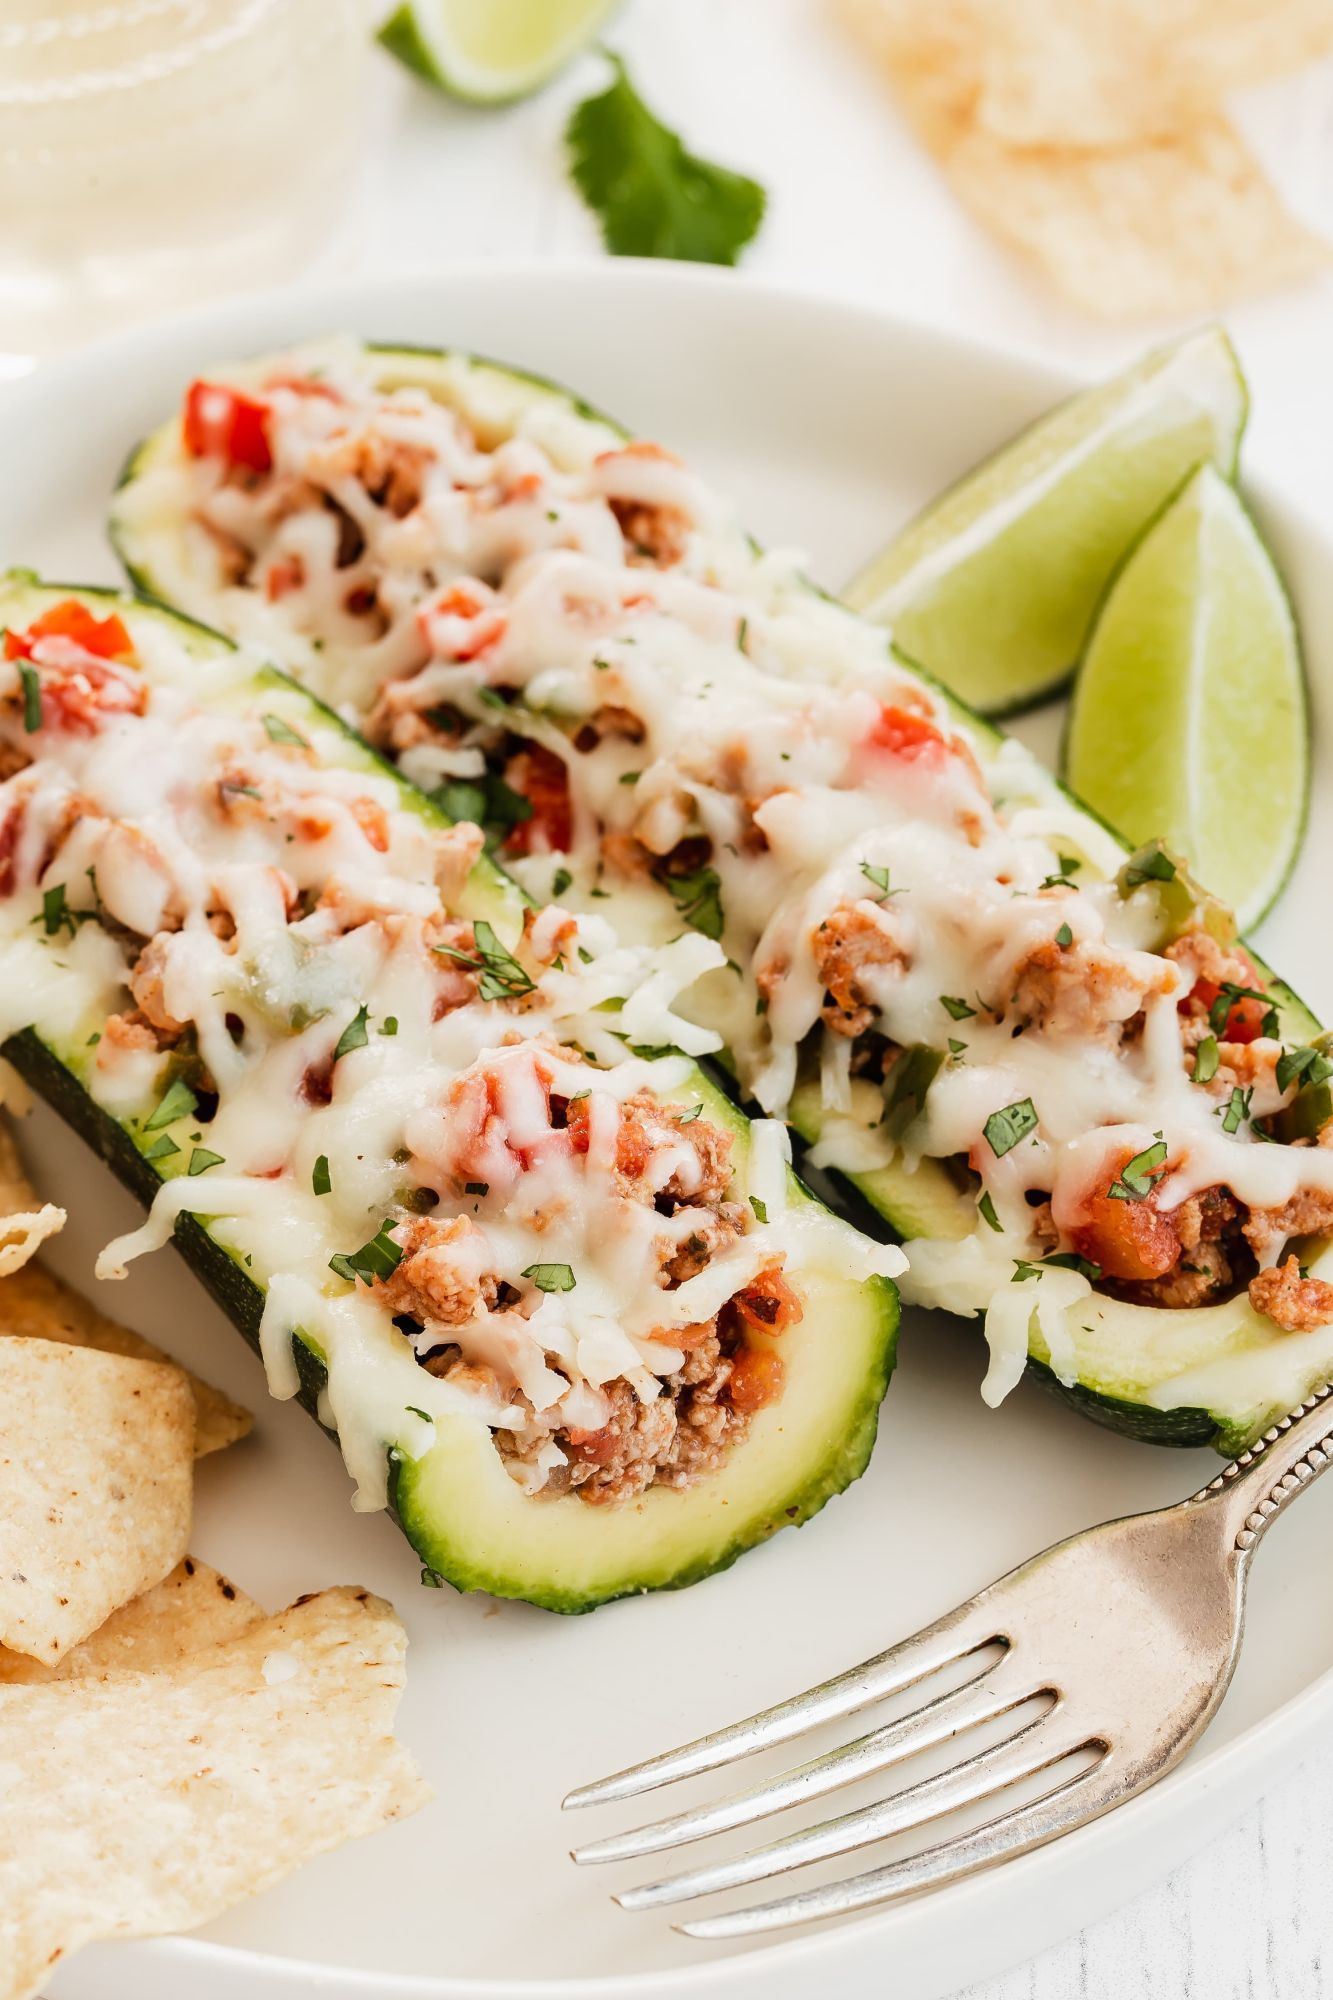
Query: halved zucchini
x,y
1215,1374
471,1524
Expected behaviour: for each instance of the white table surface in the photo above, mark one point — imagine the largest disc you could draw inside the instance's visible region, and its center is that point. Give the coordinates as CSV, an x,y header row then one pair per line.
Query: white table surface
x,y
773,87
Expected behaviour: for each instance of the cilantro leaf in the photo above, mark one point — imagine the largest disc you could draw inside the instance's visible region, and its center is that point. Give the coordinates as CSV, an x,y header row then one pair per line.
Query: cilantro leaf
x,y
1205,1061
32,697
1302,1066
1023,1269
1136,1177
502,977
178,1101
379,1258
1150,864
353,1036
879,879
279,731
1004,1129
1236,1109
201,1160
1228,993
1069,1260
652,197
698,897
1064,937
560,881
957,1010
320,1179
987,1207
760,1208
551,1277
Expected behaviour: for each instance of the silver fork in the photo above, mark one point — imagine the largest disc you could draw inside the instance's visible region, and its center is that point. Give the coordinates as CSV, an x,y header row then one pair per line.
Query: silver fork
x,y
1130,1631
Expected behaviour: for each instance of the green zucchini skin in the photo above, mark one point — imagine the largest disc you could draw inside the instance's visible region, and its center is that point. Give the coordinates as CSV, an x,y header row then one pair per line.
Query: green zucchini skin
x,y
472,1555
867,1199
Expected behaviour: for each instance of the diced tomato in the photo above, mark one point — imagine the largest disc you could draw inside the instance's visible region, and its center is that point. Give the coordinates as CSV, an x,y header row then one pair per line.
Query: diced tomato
x,y
768,1301
540,777
756,1379
1130,1240
222,423
1245,1020
463,621
104,638
906,734
285,575
373,822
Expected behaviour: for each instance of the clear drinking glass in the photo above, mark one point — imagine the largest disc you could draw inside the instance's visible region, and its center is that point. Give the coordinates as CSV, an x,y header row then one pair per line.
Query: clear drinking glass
x,y
155,152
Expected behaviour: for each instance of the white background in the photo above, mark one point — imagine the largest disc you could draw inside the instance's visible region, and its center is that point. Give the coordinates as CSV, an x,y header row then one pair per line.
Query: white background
x,y
772,86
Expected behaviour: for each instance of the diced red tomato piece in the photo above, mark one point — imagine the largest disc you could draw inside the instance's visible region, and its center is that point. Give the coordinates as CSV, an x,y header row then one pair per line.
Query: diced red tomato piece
x,y
287,574
756,1379
906,734
463,621
1245,1021
768,1301
1130,1240
222,423
540,777
104,638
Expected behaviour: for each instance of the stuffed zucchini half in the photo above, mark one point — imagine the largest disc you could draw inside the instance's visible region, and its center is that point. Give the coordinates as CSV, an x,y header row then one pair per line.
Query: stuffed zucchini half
x,y
434,1149
1050,1067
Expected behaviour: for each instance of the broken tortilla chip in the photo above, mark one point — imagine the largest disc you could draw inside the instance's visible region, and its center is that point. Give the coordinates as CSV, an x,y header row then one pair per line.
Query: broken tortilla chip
x,y
193,1608
1177,226
25,1223
1035,110
96,1456
150,1802
35,1303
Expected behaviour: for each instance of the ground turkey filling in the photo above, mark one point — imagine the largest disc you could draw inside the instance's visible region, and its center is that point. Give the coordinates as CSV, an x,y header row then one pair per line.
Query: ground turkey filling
x,y
704,1408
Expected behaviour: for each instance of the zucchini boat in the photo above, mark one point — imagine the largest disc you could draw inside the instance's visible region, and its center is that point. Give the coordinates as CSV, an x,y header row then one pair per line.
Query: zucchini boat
x,y
1046,1064
434,1150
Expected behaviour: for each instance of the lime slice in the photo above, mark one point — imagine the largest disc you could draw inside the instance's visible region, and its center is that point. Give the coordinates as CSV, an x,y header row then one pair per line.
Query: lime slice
x,y
994,587
490,51
1189,721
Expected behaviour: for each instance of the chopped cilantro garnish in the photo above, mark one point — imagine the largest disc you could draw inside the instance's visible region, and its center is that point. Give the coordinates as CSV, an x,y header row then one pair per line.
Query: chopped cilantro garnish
x,y
957,1049
279,731
379,1258
630,777
761,1004
560,881
879,879
502,977
32,697
491,697
1228,993
1068,1260
698,897
201,1160
688,1117
162,1147
988,1215
354,1035
1004,1129
424,1415
957,1010
742,634
760,1208
1023,1269
1064,937
56,914
652,197
389,1025
319,1179
476,1187
1302,1066
1236,1109
551,1277
1136,1178
1205,1060
178,1101
1151,864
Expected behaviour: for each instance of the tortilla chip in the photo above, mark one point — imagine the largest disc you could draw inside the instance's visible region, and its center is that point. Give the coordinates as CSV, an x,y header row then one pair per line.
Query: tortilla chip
x,y
36,1303
193,1608
95,1478
25,1223
1092,74
1175,227
151,1802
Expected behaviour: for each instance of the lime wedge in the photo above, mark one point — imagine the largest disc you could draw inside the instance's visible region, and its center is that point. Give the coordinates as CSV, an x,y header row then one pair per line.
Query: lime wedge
x,y
489,51
1188,721
992,590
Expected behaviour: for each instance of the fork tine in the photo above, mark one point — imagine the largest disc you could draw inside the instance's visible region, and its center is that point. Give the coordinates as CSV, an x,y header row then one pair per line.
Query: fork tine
x,y
1057,1811
1032,1750
977,1702
951,1638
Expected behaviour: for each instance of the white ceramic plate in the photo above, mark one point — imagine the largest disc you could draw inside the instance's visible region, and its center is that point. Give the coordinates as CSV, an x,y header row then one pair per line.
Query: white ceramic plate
x,y
831,424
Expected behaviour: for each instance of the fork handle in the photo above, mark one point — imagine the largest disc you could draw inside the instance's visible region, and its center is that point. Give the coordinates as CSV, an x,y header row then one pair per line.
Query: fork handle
x,y
1255,1487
